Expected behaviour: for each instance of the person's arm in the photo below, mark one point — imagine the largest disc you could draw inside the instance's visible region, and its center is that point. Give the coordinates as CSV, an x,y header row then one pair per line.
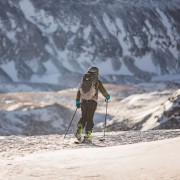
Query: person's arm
x,y
103,90
78,96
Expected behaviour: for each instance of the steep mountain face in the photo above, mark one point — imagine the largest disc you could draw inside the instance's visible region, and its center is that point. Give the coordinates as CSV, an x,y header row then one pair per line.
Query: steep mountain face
x,y
42,120
56,41
171,116
156,110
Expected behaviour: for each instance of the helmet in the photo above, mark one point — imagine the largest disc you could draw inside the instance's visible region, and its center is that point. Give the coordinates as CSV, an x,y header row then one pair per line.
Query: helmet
x,y
94,70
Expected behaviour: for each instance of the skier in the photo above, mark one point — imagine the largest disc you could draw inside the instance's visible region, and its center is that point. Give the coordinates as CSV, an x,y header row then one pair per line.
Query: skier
x,y
87,96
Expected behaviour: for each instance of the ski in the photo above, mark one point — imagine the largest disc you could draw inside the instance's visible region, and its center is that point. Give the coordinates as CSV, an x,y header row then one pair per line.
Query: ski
x,y
81,142
77,142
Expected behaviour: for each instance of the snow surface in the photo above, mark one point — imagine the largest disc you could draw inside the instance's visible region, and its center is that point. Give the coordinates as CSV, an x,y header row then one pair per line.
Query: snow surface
x,y
21,87
51,76
147,64
12,36
137,107
45,22
122,35
153,160
11,70
170,78
14,107
107,69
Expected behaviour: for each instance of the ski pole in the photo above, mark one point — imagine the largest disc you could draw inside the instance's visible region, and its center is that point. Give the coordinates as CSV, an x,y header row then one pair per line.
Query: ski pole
x,y
70,124
105,120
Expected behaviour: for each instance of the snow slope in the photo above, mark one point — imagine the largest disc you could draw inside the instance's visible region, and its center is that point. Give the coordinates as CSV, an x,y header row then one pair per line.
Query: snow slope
x,y
154,160
157,109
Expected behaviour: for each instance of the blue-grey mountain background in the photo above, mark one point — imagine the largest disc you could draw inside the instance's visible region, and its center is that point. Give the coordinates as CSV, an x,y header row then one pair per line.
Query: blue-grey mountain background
x,y
56,41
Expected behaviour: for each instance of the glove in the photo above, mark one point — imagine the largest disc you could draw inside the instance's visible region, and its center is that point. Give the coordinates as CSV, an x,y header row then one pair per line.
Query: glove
x,y
78,104
108,97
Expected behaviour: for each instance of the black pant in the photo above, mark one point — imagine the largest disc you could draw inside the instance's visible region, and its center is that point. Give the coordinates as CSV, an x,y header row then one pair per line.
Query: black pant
x,y
88,109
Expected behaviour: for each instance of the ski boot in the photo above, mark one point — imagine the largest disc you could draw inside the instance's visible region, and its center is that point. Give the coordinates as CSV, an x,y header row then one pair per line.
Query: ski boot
x,y
87,137
79,131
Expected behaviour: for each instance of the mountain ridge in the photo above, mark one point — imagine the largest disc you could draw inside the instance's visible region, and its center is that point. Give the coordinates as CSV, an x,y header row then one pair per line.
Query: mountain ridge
x,y
52,41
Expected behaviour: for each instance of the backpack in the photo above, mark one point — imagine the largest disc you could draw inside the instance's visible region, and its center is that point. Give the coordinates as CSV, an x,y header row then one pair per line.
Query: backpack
x,y
88,86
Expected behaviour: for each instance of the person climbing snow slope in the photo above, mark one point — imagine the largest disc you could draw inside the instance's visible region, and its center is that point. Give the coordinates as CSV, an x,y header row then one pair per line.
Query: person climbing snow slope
x,y
86,99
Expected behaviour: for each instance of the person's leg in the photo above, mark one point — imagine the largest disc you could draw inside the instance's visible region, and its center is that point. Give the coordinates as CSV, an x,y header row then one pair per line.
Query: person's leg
x,y
92,105
82,122
90,114
83,118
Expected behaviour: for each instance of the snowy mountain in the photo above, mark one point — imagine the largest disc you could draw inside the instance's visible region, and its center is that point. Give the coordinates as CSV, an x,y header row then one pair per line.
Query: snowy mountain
x,y
34,114
56,41
35,121
130,108
154,110
171,113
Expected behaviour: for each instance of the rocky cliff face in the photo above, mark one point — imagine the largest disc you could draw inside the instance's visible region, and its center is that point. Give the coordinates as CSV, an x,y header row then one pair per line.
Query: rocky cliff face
x,y
147,111
171,117
53,41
